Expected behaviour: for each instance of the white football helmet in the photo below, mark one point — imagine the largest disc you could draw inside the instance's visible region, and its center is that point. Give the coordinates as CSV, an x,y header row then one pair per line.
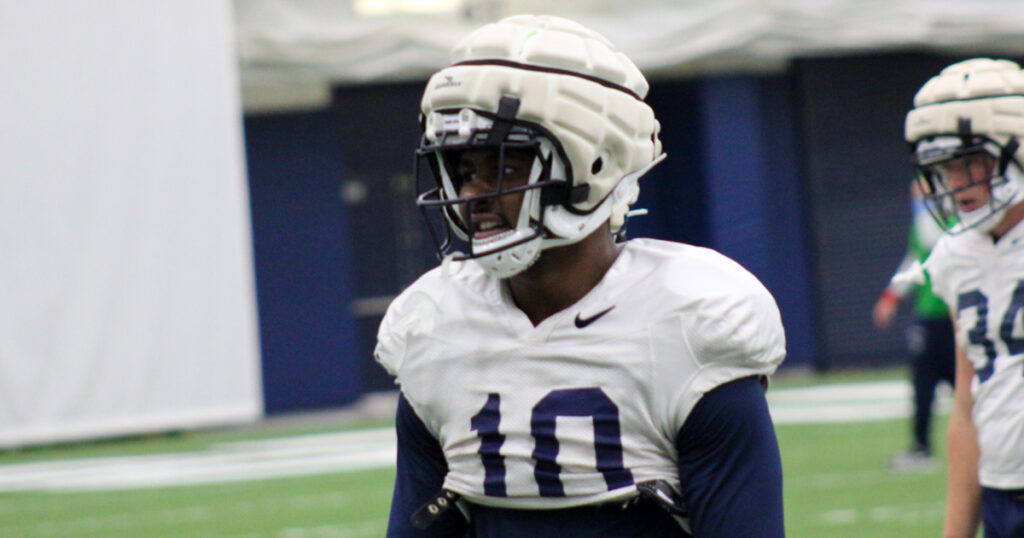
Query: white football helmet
x,y
971,108
552,87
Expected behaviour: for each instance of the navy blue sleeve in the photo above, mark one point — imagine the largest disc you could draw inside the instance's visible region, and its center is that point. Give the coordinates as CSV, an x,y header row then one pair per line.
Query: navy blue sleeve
x,y
420,474
729,464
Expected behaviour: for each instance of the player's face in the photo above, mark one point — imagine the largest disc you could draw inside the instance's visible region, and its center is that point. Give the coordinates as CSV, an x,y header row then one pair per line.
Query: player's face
x,y
478,174
967,178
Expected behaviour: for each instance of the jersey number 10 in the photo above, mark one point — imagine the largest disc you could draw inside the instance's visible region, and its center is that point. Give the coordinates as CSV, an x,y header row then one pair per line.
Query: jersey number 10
x,y
583,402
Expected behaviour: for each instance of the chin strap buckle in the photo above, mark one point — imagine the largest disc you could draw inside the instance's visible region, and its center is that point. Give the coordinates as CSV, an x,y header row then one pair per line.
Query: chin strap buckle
x,y
664,496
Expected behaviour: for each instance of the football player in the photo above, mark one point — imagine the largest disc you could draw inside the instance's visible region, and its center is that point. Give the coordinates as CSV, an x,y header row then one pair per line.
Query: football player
x,y
965,130
557,380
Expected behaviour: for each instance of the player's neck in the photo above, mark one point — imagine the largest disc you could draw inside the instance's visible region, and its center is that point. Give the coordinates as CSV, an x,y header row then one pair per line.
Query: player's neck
x,y
563,275
1013,216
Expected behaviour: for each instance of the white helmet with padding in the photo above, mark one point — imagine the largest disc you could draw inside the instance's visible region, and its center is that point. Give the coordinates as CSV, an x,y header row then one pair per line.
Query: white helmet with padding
x,y
976,105
573,93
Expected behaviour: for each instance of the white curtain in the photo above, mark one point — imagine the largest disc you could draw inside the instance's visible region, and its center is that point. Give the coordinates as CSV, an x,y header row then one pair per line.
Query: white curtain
x,y
285,42
127,299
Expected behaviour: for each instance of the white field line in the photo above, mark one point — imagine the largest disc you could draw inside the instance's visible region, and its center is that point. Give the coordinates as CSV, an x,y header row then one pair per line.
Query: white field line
x,y
849,402
228,462
905,515
336,452
338,530
107,524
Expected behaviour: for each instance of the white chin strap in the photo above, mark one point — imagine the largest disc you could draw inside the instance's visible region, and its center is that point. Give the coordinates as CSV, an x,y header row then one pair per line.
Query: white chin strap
x,y
506,262
1010,192
982,219
511,261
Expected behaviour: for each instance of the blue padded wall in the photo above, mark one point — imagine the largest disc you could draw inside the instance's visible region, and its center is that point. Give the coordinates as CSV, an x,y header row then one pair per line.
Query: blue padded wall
x,y
673,192
390,247
303,262
755,211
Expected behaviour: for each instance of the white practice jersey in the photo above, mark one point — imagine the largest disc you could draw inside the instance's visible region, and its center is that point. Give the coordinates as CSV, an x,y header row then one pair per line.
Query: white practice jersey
x,y
582,407
983,282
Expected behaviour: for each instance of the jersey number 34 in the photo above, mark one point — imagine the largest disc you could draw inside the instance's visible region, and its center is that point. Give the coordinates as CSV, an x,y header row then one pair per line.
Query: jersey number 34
x,y
977,334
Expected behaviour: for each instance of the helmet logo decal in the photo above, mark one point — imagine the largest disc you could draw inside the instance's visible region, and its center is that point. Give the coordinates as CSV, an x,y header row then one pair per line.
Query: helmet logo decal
x,y
449,82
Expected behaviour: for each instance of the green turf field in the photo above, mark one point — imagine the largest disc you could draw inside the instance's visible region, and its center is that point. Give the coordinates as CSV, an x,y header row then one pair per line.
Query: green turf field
x,y
836,485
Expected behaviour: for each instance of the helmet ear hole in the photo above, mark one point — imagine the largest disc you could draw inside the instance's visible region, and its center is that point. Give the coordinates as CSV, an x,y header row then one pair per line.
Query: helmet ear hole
x,y
596,167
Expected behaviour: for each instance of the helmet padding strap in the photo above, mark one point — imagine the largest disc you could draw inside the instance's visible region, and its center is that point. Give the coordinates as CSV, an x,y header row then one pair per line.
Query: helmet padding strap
x,y
1006,154
963,129
508,106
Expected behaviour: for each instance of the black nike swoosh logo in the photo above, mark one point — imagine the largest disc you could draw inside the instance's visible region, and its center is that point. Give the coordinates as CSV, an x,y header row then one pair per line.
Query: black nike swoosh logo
x,y
583,322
